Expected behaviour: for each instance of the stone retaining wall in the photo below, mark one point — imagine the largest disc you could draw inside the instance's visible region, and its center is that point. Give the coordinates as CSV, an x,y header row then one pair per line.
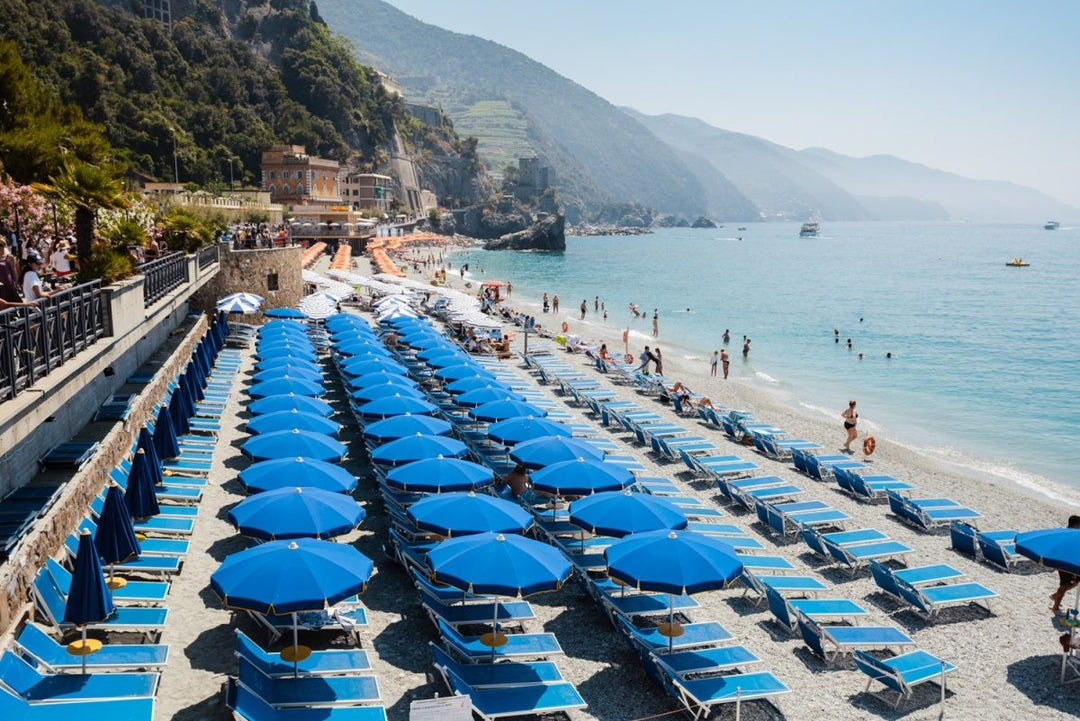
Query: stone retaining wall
x,y
251,271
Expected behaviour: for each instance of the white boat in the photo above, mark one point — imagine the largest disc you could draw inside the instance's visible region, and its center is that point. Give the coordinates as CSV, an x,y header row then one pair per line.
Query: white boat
x,y
809,229
1052,225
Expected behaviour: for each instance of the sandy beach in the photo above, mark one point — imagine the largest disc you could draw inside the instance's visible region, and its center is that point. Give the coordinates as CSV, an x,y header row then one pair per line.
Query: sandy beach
x,y
1008,662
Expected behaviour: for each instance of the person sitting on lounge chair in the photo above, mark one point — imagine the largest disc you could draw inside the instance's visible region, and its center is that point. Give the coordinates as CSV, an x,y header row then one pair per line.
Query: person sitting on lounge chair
x,y
604,355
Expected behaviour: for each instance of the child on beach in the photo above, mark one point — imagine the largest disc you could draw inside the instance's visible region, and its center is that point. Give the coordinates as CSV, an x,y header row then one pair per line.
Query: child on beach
x,y
713,363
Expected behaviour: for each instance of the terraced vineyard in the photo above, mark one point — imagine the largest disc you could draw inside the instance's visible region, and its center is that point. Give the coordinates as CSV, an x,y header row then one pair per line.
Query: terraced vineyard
x,y
502,131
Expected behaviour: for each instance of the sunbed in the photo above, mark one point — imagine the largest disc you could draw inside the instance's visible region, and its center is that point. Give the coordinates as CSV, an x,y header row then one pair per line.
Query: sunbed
x,y
14,708
526,699
148,621
858,555
784,585
332,662
866,487
36,687
175,547
775,564
518,645
347,617
831,643
786,610
903,673
132,592
154,524
53,657
247,705
308,691
929,513
927,601
509,613
888,580
494,675
158,565
694,635
999,547
723,659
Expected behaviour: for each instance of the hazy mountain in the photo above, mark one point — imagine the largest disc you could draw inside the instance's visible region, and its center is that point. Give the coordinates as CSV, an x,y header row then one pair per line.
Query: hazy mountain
x,y
599,151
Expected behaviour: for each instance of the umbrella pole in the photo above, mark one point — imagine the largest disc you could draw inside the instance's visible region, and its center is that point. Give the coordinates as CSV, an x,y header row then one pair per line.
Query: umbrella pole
x,y
296,647
671,621
84,650
494,629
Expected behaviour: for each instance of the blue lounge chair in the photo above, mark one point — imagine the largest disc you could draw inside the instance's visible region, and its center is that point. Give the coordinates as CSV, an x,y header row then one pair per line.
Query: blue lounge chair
x,y
308,691
698,696
887,579
784,585
332,662
53,657
247,705
694,635
775,564
831,643
148,621
999,547
154,524
158,565
355,618
786,610
644,604
961,536
870,488
495,675
723,659
929,513
857,556
518,645
928,601
175,547
525,699
510,614
13,708
35,687
903,673
133,592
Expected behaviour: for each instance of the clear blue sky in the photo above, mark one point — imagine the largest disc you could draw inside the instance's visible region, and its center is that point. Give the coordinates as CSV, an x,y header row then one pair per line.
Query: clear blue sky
x,y
983,88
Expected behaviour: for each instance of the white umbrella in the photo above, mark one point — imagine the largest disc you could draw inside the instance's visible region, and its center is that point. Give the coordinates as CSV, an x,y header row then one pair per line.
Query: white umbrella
x,y
249,297
238,305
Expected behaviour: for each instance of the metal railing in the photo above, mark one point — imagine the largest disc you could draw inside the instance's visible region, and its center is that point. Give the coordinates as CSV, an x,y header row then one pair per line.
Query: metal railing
x,y
208,256
162,276
37,340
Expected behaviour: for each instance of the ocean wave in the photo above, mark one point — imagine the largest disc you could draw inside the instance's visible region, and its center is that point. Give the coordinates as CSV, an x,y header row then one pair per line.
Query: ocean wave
x,y
693,358
766,377
639,335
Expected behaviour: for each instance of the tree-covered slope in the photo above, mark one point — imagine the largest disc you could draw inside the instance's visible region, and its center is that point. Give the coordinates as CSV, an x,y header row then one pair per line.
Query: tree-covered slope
x,y
622,160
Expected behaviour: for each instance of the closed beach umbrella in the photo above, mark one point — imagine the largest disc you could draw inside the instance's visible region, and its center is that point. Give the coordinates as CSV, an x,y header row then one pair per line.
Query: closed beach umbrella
x,y
499,564
464,370
526,428
178,414
373,364
440,475
284,313
381,378
395,406
288,420
396,427
89,599
165,441
471,384
115,538
294,444
542,452
289,401
289,371
286,385
501,410
383,391
141,498
416,448
146,445
463,514
296,512
292,472
581,478
480,396
620,513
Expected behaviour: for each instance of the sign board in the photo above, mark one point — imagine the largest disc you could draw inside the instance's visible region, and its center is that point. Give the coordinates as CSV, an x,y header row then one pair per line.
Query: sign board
x,y
451,708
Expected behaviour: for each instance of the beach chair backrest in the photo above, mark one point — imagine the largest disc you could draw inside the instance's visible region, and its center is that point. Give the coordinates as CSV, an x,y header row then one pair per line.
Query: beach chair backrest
x,y
875,669
992,551
59,575
753,583
811,635
844,479
883,577
452,637
897,504
36,643
762,512
249,650
813,539
779,607
838,553
911,595
455,682
49,599
443,660
17,674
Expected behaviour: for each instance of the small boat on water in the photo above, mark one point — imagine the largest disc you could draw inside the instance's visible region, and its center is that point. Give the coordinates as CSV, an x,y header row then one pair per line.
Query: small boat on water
x,y
809,229
1017,263
1052,225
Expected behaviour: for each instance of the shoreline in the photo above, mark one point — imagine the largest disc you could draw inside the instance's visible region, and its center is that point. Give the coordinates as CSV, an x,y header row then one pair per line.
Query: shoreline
x,y
784,401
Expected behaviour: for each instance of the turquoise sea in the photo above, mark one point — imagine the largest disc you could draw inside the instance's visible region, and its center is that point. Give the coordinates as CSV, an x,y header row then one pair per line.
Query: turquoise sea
x,y
985,367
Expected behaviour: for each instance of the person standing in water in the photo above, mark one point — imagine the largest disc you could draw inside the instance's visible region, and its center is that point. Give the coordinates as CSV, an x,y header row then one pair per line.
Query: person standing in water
x,y
584,308
555,303
746,347
655,323
851,420
727,336
725,361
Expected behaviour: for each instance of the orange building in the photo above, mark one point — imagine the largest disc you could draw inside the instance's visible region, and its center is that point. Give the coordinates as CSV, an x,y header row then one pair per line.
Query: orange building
x,y
292,177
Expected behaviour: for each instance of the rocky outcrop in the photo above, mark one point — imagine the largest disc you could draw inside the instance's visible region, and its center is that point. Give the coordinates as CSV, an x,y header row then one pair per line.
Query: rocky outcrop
x,y
547,234
702,222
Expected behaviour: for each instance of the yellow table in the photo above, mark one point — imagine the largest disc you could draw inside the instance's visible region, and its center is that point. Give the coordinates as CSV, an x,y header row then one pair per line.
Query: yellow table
x,y
295,654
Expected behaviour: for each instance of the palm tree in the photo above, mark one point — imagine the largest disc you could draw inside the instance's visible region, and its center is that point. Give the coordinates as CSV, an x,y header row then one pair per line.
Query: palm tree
x,y
86,189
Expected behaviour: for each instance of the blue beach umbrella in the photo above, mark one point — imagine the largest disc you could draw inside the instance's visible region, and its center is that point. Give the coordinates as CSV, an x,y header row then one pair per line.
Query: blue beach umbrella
x,y
373,365
440,475
395,406
165,441
359,347
271,345
285,313
471,384
280,350
500,564
1057,548
141,499
178,414
448,349
146,445
289,401
526,428
448,359
620,513
464,370
541,452
294,444
287,362
416,448
396,427
581,478
291,472
89,599
502,410
288,420
115,538
480,396
296,512
279,330
463,514
289,371
386,390
286,385
423,338
381,378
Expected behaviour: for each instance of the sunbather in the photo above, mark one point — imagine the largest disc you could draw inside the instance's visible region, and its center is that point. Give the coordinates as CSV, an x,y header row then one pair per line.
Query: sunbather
x,y
517,480
1068,580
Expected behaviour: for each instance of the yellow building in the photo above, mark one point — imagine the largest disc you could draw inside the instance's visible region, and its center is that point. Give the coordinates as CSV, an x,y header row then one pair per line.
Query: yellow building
x,y
292,177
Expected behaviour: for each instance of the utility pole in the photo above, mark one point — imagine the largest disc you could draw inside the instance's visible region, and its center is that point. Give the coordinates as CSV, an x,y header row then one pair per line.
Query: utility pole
x,y
230,174
175,164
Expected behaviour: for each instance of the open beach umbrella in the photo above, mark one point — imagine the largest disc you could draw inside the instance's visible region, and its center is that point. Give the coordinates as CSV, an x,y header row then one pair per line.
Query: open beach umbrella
x,y
291,576
581,478
141,498
447,359
372,364
501,410
395,406
1057,548
284,313
463,514
284,336
283,350
541,452
178,414
288,420
243,295
115,538
396,427
289,401
381,378
440,475
526,428
464,370
384,391
291,472
471,384
289,371
165,441
239,306
620,513
360,347
417,448
480,396
89,599
287,362
284,342
296,512
286,385
448,350
499,564
675,563
294,444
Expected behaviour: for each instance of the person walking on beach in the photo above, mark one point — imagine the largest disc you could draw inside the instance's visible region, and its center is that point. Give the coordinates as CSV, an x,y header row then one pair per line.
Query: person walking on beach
x,y
725,361
546,303
658,361
584,308
555,303
1066,581
713,362
655,323
509,290
851,419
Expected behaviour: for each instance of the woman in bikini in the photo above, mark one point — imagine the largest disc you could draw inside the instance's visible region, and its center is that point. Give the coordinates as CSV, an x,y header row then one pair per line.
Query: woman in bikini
x,y
851,419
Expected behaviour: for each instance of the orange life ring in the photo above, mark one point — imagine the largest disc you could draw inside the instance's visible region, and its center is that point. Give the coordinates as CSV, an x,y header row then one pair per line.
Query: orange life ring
x,y
629,359
868,446
565,326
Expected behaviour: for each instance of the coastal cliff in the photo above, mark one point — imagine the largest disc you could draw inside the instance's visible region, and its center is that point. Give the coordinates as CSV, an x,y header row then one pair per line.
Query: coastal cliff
x,y
548,233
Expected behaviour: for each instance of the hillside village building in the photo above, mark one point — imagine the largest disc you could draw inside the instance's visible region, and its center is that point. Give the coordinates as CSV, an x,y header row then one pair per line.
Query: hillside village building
x,y
292,177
